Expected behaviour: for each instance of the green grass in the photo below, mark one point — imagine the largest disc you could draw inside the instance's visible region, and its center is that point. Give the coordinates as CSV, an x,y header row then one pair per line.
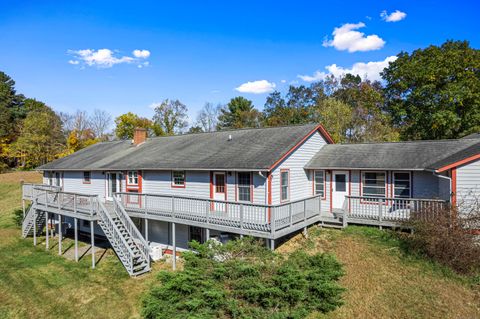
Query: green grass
x,y
381,280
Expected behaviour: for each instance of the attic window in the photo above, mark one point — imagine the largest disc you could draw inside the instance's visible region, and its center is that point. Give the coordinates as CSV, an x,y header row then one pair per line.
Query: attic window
x,y
86,178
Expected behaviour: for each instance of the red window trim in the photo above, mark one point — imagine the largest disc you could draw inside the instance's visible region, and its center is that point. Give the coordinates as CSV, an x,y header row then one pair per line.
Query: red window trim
x,y
184,185
280,182
361,186
83,178
324,183
251,188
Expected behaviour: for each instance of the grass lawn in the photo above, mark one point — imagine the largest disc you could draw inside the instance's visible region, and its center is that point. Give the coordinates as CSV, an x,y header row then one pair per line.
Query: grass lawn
x,y
380,281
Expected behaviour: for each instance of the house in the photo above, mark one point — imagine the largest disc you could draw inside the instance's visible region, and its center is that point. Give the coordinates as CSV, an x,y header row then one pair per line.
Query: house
x,y
266,182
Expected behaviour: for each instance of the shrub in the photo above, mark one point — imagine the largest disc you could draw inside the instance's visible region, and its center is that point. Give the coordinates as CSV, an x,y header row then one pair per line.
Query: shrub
x,y
242,279
447,237
18,216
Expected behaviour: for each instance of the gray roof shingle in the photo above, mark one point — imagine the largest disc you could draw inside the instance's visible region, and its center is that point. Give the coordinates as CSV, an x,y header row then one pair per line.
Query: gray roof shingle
x,y
249,149
415,155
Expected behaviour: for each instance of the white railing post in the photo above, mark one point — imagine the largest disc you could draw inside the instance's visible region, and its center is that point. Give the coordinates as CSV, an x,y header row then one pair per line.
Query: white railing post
x,y
173,207
380,209
290,218
207,211
46,199
75,203
241,216
272,221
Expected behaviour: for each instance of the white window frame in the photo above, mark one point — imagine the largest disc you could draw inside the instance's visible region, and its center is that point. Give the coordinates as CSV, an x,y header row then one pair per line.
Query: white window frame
x,y
315,183
174,179
384,184
286,170
239,186
409,184
132,177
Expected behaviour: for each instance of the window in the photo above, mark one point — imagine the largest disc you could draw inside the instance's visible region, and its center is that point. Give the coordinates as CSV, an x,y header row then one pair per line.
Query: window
x,y
86,177
284,185
319,179
244,190
373,184
132,178
57,179
50,178
219,183
340,182
402,185
178,178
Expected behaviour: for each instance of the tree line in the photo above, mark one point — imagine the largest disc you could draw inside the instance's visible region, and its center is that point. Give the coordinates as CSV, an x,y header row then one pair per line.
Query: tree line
x,y
431,93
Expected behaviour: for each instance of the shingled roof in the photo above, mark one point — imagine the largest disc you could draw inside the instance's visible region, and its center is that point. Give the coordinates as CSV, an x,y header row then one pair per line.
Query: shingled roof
x,y
244,149
415,155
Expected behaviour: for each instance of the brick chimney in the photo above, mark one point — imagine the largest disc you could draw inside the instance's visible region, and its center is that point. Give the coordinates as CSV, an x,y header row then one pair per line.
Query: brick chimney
x,y
139,136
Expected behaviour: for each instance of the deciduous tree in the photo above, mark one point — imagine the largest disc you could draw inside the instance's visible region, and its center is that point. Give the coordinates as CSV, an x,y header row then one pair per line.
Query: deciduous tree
x,y
128,122
170,117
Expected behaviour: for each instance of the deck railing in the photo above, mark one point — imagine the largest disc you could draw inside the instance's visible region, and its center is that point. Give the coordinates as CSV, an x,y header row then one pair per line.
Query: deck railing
x,y
389,209
75,203
29,191
243,215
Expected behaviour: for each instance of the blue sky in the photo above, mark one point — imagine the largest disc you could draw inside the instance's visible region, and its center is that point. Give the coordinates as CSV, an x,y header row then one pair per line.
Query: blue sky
x,y
203,51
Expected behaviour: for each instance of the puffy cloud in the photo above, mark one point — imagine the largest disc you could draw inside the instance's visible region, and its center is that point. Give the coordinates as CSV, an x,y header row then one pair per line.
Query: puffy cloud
x,y
106,58
368,70
395,16
256,87
143,54
347,38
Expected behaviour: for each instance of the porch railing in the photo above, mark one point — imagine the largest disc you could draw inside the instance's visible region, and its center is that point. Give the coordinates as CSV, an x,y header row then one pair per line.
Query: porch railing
x,y
389,209
243,215
75,203
29,191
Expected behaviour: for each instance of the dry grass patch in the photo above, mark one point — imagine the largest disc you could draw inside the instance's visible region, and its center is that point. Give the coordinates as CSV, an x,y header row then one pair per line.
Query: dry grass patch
x,y
383,283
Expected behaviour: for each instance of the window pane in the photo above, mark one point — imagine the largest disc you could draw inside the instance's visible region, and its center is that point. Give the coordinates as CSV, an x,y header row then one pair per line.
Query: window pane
x,y
374,191
284,185
86,176
244,182
220,183
179,178
340,183
319,183
402,185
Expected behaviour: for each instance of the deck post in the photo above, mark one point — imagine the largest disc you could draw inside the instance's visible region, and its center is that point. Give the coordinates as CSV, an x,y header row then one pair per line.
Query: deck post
x,y
207,234
344,220
146,229
75,203
174,242
272,222
35,228
92,239
46,231
290,214
60,235
380,210
272,244
75,226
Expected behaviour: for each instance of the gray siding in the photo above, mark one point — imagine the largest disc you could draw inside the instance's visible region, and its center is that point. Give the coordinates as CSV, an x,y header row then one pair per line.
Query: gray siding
x,y
73,182
468,185
425,185
160,182
300,179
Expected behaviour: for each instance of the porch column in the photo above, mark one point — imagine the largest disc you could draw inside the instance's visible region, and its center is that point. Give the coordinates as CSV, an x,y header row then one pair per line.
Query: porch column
x,y
34,228
46,232
174,243
146,229
92,239
272,244
75,225
207,234
60,235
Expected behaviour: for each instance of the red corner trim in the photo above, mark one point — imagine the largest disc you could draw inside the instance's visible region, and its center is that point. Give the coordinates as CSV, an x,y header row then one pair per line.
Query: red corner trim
x,y
454,186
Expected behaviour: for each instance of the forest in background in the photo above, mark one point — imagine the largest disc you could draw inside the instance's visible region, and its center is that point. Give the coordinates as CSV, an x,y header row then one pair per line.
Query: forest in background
x,y
431,93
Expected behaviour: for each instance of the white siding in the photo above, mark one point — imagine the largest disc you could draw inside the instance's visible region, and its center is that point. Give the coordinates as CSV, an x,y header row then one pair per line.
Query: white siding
x,y
73,182
300,179
160,182
468,185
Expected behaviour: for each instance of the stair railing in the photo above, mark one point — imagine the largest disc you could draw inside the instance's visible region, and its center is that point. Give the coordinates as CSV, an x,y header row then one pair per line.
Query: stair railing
x,y
137,237
117,240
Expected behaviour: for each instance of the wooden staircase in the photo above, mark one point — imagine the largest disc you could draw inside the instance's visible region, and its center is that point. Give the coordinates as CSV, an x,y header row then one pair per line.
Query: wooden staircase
x,y
33,217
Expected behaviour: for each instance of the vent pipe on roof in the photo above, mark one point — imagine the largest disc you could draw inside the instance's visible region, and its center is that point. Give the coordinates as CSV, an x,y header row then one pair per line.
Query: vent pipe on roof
x,y
230,137
139,136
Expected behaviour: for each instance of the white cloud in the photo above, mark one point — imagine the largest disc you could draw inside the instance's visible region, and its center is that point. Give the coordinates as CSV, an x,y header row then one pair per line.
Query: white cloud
x,y
283,81
347,38
141,54
395,16
369,70
256,87
106,58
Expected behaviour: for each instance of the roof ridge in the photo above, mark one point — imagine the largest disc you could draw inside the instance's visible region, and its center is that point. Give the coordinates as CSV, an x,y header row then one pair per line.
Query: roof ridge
x,y
413,142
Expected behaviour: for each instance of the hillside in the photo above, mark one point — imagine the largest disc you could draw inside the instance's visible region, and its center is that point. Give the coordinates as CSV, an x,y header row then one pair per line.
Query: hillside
x,y
381,282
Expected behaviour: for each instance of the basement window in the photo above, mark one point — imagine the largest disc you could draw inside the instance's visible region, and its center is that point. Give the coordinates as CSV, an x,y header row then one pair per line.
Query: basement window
x,y
178,178
86,178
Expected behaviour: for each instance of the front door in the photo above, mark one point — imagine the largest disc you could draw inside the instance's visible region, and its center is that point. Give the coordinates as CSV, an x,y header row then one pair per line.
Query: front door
x,y
339,188
219,190
113,185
